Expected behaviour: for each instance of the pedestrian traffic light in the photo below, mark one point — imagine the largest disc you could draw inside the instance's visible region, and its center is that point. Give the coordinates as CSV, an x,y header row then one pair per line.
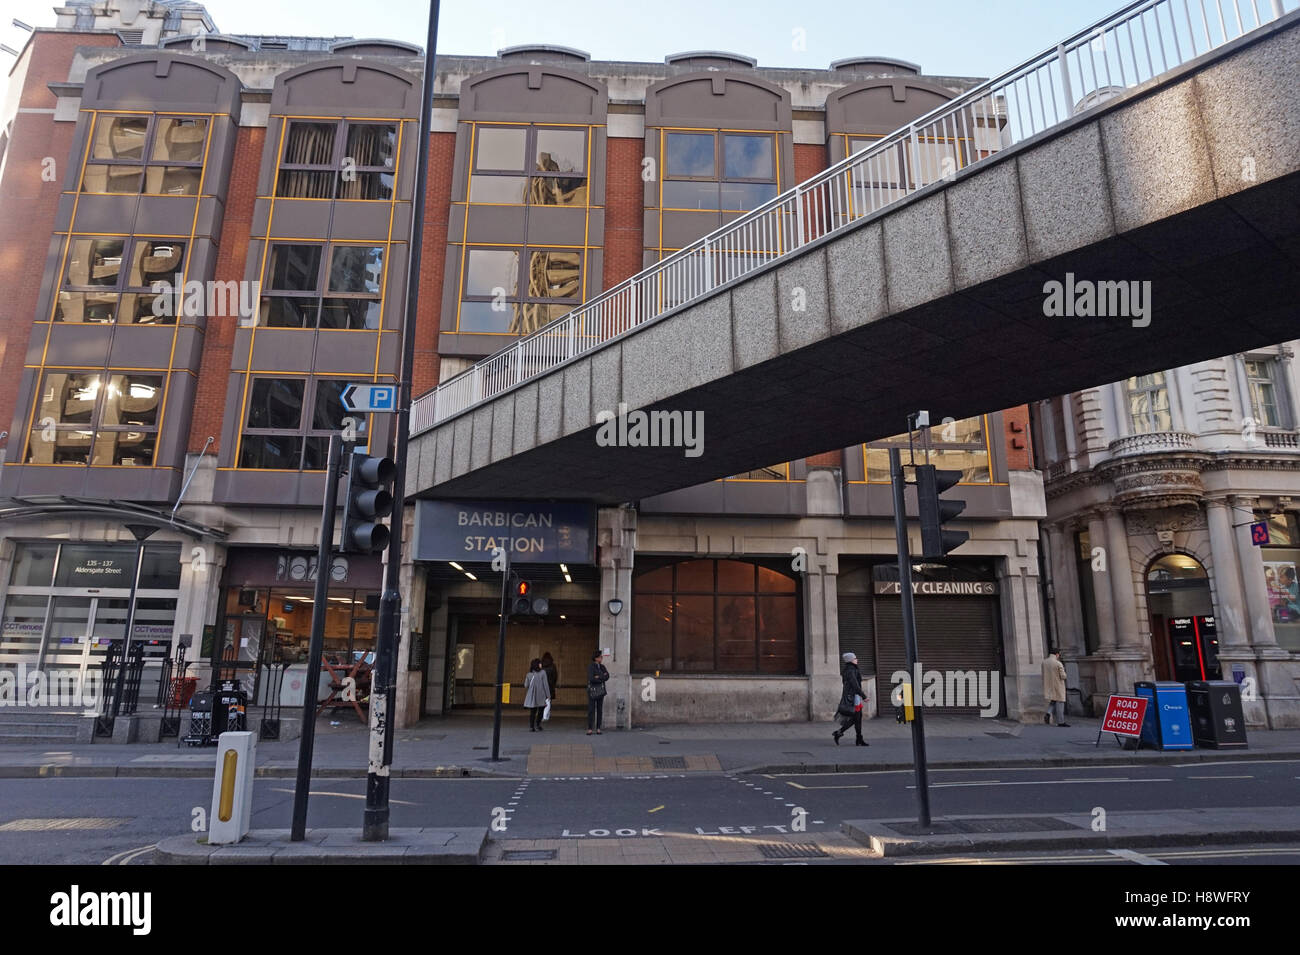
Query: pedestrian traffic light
x,y
523,601
369,499
936,541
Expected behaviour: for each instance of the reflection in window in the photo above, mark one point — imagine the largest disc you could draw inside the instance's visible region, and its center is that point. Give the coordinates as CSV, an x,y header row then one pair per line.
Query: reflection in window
x,y
955,445
1148,403
278,435
96,418
727,171
96,288
292,296
529,165
1263,392
154,155
338,160
491,301
715,616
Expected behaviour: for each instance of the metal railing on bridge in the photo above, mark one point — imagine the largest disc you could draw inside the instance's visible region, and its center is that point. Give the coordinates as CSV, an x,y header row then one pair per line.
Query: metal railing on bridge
x,y
1136,44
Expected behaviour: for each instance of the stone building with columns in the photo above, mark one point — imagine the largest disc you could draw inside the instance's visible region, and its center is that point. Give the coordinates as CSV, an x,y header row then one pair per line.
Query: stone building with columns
x,y
1172,538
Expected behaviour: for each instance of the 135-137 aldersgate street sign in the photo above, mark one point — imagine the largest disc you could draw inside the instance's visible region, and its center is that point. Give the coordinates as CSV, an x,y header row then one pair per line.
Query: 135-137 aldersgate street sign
x,y
533,532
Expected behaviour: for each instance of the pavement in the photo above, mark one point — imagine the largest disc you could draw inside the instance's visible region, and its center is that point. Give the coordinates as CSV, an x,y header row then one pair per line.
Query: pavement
x,y
460,745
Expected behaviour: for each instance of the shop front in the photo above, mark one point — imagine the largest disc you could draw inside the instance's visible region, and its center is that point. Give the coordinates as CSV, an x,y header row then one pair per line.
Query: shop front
x,y
267,603
957,627
68,601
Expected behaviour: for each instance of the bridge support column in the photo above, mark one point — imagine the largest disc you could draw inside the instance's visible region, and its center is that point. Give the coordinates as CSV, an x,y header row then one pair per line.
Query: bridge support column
x,y
616,534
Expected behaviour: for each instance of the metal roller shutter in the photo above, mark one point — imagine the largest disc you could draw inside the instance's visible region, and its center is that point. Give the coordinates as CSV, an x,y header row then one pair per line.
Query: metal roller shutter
x,y
856,632
953,633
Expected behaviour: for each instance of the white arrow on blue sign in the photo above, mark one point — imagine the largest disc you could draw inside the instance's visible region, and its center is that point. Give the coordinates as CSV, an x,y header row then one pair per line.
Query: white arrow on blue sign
x,y
365,397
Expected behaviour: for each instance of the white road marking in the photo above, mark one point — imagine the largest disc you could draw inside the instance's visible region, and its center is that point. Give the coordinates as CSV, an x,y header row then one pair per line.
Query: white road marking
x,y
1042,782
1220,777
1137,857
125,856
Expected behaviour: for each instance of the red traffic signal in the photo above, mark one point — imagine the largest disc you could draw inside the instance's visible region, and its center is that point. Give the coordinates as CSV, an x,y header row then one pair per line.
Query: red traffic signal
x,y
522,588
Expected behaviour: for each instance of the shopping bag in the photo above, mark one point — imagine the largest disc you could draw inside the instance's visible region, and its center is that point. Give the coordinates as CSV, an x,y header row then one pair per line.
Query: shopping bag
x,y
546,712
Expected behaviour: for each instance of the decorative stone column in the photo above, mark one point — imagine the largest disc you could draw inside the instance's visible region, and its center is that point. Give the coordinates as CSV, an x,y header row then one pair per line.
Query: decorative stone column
x,y
822,630
1101,587
1230,616
1277,686
616,547
198,604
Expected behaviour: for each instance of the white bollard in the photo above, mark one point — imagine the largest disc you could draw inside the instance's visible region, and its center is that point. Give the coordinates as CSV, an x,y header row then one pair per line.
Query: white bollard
x,y
232,790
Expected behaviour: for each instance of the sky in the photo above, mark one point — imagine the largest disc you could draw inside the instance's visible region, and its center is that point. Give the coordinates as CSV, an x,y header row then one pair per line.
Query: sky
x,y
946,37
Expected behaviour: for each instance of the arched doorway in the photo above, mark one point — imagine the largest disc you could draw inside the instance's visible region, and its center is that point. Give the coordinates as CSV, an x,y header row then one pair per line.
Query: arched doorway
x,y
1184,638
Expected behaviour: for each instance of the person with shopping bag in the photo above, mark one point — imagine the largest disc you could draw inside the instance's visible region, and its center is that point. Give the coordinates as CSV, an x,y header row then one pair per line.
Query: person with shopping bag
x,y
851,701
537,694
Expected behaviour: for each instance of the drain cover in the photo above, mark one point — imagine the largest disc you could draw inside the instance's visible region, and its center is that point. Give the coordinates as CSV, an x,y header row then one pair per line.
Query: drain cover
x,y
792,850
670,762
527,855
997,824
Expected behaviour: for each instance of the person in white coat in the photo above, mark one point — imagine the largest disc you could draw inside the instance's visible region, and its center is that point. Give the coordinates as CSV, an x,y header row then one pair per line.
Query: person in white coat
x,y
1054,687
537,693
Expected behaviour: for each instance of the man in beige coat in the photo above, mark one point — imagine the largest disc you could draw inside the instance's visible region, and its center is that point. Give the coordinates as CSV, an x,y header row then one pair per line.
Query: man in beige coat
x,y
1054,687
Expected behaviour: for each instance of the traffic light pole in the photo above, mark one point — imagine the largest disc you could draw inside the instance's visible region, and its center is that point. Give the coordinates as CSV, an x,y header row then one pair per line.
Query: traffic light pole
x,y
307,741
909,636
501,660
374,827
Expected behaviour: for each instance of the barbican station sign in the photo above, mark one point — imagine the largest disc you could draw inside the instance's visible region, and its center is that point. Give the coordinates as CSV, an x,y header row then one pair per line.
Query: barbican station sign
x,y
534,533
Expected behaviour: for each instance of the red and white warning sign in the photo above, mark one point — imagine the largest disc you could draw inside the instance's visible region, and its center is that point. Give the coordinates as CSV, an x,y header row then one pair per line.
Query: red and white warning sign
x,y
1124,715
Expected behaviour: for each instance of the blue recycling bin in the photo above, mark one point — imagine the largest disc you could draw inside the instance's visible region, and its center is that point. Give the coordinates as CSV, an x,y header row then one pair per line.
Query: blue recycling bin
x,y
1168,723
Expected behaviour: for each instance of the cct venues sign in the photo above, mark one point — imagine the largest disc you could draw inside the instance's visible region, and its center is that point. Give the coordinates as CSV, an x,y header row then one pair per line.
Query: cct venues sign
x,y
533,532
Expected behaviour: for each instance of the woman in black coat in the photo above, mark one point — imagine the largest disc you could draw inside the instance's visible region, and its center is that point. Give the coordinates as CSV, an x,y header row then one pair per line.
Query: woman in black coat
x,y
851,701
597,676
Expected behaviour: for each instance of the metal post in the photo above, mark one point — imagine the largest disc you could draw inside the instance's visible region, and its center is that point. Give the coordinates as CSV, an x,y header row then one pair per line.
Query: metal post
x,y
909,637
141,533
501,660
384,676
312,683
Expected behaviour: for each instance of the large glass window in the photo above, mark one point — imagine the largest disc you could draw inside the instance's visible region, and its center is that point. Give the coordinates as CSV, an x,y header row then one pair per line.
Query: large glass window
x,y
96,417
121,279
290,421
150,154
955,445
325,286
1148,403
529,165
517,291
1263,392
715,616
337,160
733,172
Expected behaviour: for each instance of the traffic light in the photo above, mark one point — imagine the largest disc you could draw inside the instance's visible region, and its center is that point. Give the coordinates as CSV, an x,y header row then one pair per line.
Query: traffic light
x,y
523,602
934,513
369,499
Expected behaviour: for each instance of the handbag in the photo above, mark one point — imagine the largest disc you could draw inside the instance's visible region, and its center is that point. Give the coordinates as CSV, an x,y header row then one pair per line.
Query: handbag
x,y
595,691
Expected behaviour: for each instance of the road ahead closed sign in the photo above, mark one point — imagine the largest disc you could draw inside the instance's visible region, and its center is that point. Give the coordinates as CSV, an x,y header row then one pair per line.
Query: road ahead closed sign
x,y
1124,715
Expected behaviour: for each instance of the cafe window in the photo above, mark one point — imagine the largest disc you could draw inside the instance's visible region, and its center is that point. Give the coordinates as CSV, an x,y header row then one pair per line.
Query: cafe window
x,y
325,286
516,291
273,625
715,616
955,445
121,279
730,171
325,159
289,422
96,417
529,165
153,155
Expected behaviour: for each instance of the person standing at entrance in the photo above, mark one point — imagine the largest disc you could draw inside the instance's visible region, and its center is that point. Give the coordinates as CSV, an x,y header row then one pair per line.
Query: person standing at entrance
x,y
1054,687
537,693
851,701
552,674
597,676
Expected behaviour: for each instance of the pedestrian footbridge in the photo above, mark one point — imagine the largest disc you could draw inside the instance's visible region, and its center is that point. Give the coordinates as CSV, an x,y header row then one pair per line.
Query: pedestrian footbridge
x,y
1125,202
